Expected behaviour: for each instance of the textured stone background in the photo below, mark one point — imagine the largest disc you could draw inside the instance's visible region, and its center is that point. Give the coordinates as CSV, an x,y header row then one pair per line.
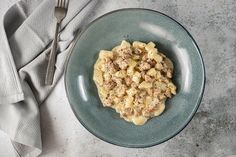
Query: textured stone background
x,y
211,133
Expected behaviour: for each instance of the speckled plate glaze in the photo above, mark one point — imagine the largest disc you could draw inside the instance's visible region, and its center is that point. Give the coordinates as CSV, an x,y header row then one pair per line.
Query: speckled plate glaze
x,y
172,39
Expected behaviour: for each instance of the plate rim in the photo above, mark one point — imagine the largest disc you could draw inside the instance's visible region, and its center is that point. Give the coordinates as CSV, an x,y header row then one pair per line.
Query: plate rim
x,y
189,119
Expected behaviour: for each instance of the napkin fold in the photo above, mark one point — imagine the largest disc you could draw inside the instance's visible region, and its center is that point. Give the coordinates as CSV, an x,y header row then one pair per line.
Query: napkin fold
x,y
27,33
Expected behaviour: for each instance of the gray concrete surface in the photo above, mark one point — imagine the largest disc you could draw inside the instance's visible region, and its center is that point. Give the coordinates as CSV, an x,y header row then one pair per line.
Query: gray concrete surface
x,y
211,133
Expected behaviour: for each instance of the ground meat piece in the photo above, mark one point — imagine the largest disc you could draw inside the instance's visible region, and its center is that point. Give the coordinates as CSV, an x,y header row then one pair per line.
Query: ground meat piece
x,y
137,51
121,90
168,93
165,80
137,110
153,104
148,78
144,66
143,74
128,111
164,71
123,64
128,81
117,80
162,96
156,92
169,74
151,107
139,99
109,67
146,113
107,102
123,114
109,85
142,93
125,53
145,57
152,62
105,66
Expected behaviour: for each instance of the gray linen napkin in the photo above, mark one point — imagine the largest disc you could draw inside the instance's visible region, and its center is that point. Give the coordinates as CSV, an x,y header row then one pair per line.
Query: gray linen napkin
x,y
26,35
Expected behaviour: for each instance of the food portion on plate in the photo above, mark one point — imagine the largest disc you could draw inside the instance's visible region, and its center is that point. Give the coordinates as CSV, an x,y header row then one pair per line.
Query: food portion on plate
x,y
135,80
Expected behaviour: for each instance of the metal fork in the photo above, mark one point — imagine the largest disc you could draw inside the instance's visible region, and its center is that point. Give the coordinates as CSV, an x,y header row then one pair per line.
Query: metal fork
x,y
60,13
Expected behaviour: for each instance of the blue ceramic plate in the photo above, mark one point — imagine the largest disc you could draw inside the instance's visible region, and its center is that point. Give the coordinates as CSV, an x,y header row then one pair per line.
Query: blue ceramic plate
x,y
172,39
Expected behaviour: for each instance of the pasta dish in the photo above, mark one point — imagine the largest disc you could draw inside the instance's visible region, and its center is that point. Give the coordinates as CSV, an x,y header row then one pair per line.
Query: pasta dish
x,y
135,80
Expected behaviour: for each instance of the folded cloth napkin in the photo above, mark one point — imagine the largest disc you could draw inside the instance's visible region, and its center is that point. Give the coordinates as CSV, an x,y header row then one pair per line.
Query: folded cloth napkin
x,y
26,35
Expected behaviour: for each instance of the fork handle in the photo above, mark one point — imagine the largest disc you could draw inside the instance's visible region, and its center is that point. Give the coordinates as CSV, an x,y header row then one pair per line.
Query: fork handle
x,y
52,59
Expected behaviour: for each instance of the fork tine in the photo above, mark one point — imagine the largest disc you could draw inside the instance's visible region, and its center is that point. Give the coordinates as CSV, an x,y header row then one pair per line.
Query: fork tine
x,y
58,3
64,4
61,4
